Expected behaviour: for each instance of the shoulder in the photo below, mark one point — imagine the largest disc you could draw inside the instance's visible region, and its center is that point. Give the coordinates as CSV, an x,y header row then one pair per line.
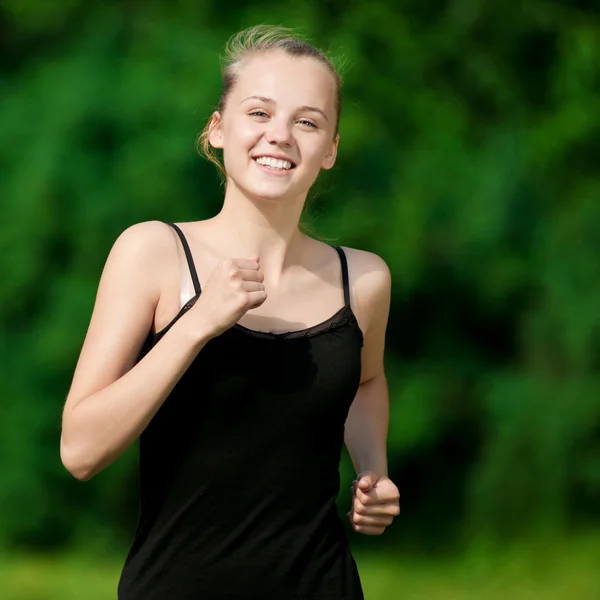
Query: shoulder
x,y
370,283
146,238
369,273
142,252
149,243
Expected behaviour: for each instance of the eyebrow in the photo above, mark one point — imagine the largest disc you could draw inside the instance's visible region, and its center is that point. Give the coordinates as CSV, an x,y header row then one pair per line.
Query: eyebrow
x,y
300,109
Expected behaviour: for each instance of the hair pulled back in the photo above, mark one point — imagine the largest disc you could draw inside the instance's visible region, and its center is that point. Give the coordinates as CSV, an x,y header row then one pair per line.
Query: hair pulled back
x,y
257,40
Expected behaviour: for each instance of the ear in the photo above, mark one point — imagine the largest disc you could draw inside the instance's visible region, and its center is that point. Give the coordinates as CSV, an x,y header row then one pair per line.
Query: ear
x,y
215,131
330,157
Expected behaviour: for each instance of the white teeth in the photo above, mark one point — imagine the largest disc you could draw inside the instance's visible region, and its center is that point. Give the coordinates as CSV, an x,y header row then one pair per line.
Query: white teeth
x,y
274,163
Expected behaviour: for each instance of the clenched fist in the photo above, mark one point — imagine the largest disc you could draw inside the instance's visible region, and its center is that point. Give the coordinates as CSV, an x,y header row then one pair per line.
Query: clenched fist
x,y
375,503
233,288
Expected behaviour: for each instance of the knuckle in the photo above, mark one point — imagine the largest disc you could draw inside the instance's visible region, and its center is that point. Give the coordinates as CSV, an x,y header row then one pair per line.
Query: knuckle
x,y
359,508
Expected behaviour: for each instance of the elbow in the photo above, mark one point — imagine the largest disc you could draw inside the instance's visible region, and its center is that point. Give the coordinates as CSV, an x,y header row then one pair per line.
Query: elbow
x,y
75,463
82,475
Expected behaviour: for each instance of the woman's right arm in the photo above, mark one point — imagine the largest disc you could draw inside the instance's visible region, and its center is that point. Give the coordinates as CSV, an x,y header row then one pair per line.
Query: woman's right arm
x,y
111,401
112,398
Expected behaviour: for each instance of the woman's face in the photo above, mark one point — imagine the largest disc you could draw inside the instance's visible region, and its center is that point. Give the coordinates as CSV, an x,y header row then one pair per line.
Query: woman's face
x,y
277,128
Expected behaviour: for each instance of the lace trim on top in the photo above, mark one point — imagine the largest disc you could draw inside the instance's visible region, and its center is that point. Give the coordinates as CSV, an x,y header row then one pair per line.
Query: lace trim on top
x,y
342,317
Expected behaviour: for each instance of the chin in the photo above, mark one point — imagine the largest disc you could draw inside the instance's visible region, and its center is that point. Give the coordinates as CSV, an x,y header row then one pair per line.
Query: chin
x,y
267,190
268,193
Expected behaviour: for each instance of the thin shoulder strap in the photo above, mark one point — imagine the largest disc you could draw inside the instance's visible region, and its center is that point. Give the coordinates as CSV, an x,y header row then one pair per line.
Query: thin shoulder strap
x,y
345,281
188,255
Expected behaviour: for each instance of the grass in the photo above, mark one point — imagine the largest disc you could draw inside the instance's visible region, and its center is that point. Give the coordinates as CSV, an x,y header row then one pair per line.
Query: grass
x,y
561,571
557,571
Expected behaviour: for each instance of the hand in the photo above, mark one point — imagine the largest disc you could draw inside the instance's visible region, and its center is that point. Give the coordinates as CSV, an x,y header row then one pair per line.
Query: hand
x,y
233,288
375,503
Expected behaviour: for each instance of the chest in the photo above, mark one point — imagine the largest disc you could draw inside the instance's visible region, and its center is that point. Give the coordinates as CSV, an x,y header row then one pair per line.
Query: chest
x,y
250,380
297,308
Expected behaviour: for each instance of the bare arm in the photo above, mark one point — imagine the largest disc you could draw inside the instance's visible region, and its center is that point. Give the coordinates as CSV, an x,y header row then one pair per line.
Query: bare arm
x,y
112,399
375,498
367,425
367,422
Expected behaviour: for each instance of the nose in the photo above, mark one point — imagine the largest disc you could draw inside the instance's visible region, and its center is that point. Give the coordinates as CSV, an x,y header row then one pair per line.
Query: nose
x,y
279,133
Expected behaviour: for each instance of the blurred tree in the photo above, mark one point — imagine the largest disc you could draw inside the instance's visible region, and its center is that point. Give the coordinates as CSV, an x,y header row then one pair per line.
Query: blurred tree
x,y
469,133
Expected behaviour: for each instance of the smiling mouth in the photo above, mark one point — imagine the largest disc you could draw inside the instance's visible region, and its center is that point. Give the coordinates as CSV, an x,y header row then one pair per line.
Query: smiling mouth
x,y
275,163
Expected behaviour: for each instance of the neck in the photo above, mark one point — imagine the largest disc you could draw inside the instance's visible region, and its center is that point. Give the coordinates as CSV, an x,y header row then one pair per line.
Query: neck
x,y
267,229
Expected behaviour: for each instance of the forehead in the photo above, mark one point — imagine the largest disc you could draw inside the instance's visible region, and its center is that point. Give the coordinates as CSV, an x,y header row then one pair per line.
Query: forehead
x,y
287,79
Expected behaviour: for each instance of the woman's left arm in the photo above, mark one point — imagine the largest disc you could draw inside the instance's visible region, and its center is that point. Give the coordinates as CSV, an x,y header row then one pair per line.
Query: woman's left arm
x,y
375,498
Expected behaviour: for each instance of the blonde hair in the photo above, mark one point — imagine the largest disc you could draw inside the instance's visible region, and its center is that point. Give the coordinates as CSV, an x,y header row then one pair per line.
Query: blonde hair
x,y
262,38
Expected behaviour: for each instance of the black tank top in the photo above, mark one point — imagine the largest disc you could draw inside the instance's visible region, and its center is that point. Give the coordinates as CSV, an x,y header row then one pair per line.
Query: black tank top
x,y
239,468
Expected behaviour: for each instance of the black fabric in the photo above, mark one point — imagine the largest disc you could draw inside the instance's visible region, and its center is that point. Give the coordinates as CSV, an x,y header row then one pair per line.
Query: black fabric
x,y
345,279
188,256
239,470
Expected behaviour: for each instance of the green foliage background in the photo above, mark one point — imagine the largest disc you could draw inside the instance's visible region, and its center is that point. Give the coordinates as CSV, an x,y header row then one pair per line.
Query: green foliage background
x,y
468,160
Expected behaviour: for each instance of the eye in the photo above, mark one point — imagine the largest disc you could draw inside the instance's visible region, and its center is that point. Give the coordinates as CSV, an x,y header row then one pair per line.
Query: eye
x,y
307,123
261,114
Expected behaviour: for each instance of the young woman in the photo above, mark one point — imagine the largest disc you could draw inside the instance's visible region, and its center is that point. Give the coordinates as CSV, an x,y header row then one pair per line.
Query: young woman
x,y
243,354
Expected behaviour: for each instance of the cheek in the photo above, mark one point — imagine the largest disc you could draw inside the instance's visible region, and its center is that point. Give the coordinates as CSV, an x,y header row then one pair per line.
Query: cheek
x,y
243,135
315,153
